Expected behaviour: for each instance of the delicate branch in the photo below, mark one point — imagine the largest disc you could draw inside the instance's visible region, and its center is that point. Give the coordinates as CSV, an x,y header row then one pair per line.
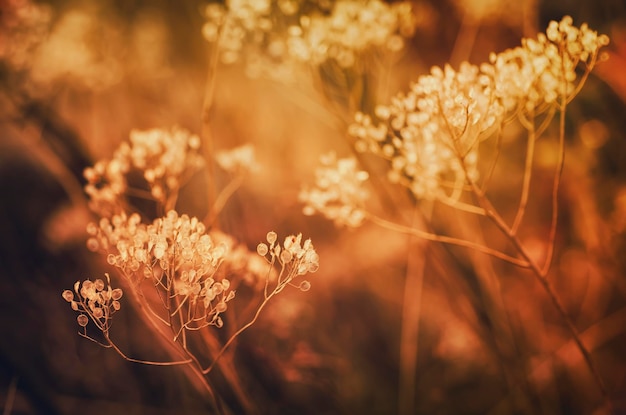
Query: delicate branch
x,y
466,207
447,240
528,168
237,333
494,161
540,274
222,198
411,309
112,345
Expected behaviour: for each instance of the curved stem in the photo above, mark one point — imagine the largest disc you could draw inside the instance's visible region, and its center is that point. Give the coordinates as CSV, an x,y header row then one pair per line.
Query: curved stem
x,y
540,275
222,198
528,168
207,104
145,362
411,310
447,240
237,333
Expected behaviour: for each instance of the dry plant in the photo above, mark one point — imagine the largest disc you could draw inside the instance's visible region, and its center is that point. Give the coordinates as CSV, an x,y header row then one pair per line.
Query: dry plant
x,y
441,147
442,141
180,274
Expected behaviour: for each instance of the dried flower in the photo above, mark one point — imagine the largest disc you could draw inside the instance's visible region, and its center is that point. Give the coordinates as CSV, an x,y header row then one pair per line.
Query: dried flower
x,y
238,159
294,256
173,247
338,193
275,37
95,301
165,158
431,134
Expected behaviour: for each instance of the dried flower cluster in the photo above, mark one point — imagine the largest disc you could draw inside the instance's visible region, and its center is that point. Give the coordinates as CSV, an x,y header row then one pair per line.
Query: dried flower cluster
x,y
534,75
295,258
238,159
189,273
338,192
24,26
175,252
165,158
431,134
95,301
273,36
351,28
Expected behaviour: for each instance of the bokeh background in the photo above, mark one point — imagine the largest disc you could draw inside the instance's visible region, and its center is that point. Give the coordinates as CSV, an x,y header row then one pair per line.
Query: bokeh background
x,y
77,76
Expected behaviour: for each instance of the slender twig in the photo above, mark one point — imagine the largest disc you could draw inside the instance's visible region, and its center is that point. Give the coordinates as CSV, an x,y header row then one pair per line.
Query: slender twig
x,y
223,197
447,240
528,168
207,104
146,362
540,275
237,333
411,309
494,160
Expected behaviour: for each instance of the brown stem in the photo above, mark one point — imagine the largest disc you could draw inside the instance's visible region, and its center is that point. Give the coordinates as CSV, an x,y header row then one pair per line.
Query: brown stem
x,y
540,275
447,240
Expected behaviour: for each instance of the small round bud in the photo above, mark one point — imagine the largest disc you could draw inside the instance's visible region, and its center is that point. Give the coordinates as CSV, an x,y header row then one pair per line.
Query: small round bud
x,y
262,249
82,320
271,237
218,288
92,244
116,305
220,307
286,257
304,286
92,228
116,294
99,284
68,295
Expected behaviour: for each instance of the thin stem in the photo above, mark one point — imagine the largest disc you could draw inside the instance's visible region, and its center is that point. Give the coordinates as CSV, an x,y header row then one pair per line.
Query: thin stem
x,y
555,192
465,39
540,275
238,332
145,362
222,198
457,204
411,309
447,240
494,161
528,168
207,104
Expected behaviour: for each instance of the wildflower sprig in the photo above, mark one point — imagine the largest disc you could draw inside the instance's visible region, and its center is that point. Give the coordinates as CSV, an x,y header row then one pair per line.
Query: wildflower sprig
x,y
165,158
431,137
96,301
272,37
294,258
431,134
176,255
181,277
339,193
